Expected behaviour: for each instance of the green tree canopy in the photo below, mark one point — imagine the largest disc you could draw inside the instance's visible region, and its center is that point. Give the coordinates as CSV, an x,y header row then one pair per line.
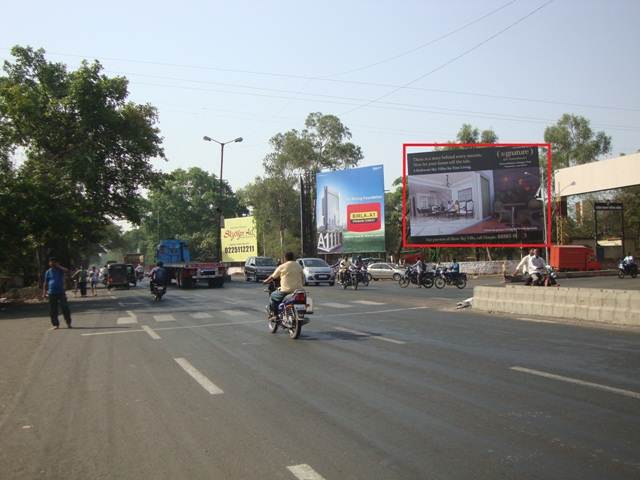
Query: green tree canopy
x,y
87,151
573,142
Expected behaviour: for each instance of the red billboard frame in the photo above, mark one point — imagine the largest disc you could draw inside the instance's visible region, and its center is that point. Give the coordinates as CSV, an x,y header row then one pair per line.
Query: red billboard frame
x,y
406,244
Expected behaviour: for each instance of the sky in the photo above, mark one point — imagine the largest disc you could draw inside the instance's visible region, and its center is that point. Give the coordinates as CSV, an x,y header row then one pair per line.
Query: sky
x,y
256,68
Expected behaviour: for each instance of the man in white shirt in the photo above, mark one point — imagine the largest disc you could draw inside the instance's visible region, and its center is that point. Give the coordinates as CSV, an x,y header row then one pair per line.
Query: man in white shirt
x,y
524,264
536,266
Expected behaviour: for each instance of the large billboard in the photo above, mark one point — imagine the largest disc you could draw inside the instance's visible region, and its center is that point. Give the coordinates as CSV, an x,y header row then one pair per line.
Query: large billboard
x,y
488,196
350,210
239,239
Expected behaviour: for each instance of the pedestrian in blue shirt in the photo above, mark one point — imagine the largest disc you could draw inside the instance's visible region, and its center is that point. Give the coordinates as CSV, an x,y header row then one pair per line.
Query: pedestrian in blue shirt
x,y
53,287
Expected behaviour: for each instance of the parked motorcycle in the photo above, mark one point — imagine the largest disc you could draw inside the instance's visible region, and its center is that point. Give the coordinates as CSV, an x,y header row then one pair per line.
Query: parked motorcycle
x,y
625,269
158,291
410,276
291,312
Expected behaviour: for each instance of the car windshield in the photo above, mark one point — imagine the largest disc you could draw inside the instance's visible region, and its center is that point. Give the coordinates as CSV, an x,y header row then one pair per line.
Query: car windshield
x,y
265,262
315,262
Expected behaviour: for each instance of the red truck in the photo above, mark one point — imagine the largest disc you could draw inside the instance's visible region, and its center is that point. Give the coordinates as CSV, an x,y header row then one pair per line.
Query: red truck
x,y
575,258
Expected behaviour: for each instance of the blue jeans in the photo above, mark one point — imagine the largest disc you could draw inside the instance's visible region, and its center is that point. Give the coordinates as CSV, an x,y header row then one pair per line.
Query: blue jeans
x,y
276,298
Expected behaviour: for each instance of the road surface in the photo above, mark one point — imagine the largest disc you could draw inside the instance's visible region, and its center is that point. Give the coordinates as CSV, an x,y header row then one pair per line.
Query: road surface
x,y
384,383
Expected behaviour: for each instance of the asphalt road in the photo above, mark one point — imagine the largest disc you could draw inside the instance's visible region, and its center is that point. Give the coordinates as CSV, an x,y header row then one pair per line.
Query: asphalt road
x,y
384,383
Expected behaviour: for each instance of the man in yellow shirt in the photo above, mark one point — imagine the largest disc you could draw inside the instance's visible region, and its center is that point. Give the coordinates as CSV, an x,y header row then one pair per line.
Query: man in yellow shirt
x,y
291,278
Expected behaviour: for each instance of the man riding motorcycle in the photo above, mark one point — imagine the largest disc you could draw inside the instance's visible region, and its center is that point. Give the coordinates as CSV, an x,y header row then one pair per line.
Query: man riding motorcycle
x,y
536,268
291,278
158,276
344,267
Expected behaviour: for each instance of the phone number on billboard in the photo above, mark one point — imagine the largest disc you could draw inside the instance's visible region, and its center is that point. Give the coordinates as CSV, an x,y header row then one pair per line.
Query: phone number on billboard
x,y
240,249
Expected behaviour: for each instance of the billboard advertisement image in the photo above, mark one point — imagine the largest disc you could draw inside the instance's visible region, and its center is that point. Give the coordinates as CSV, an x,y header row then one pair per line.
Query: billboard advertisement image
x,y
239,239
350,210
475,195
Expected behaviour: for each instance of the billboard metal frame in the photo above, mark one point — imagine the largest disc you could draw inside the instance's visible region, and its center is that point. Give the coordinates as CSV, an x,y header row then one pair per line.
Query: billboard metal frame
x,y
547,233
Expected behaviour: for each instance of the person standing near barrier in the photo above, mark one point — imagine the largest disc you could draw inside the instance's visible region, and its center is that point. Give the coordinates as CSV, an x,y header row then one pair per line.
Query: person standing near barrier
x,y
53,287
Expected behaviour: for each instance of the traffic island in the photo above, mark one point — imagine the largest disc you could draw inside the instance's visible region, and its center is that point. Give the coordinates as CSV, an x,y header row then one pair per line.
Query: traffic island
x,y
616,307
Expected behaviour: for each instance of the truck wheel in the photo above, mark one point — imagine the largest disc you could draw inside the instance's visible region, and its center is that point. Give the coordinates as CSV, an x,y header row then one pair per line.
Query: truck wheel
x,y
211,283
218,282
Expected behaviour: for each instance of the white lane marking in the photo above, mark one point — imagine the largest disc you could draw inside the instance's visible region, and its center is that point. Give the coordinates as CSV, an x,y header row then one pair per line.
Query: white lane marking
x,y
335,305
164,318
112,297
201,315
304,472
553,376
367,302
365,334
234,313
127,304
151,333
199,377
127,320
378,311
183,327
536,320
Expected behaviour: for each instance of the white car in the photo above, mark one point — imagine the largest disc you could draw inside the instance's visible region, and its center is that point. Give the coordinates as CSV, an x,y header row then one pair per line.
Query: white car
x,y
316,271
385,271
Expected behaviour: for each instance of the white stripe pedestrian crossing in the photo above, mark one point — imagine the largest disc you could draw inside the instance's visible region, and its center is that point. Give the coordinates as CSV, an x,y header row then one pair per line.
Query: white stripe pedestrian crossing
x,y
234,313
126,320
335,305
367,302
164,318
201,315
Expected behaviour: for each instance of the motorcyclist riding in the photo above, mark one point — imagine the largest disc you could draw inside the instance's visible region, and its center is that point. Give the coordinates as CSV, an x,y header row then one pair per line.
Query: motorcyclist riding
x,y
345,265
536,267
291,278
158,276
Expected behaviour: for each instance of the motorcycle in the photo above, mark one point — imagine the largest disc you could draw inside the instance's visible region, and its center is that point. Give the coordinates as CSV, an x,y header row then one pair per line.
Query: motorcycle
x,y
291,312
444,277
350,278
158,291
627,269
364,277
547,278
410,276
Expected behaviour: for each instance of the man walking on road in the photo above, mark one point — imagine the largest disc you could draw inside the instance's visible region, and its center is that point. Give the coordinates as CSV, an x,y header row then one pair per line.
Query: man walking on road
x,y
53,287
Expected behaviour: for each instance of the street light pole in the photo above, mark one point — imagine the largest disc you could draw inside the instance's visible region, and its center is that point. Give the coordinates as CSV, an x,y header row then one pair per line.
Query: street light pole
x,y
220,192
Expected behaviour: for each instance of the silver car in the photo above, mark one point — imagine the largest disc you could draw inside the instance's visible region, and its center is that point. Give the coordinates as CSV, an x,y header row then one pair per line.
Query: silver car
x,y
316,271
385,271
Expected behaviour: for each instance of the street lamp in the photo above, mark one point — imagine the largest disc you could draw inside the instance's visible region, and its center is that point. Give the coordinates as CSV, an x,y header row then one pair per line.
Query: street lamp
x,y
219,225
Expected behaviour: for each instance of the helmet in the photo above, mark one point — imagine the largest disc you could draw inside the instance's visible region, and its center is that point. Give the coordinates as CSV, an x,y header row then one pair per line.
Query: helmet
x,y
159,264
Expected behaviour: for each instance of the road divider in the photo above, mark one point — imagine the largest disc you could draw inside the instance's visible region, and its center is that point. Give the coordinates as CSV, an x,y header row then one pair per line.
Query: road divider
x,y
617,307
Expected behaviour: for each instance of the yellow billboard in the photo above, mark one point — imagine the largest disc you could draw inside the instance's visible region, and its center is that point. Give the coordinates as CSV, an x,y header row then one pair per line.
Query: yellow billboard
x,y
239,240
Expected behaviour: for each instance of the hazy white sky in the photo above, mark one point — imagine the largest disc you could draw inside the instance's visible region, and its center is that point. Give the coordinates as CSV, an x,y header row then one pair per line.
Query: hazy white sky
x,y
242,68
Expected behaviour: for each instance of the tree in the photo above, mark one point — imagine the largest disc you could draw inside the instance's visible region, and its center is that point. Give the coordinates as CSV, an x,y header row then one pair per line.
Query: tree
x,y
275,205
322,145
470,134
573,142
88,153
184,205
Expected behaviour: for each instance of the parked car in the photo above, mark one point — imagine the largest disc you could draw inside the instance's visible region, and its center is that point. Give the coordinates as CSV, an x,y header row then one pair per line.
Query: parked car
x,y
316,271
258,268
369,260
117,276
385,271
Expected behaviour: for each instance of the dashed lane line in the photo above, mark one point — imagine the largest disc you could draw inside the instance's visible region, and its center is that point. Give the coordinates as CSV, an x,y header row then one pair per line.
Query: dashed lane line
x,y
367,302
151,332
200,315
164,318
304,472
369,335
374,312
576,381
199,377
127,320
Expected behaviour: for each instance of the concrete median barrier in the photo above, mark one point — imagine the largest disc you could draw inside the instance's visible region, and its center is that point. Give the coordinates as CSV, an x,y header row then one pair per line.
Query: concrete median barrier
x,y
620,307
